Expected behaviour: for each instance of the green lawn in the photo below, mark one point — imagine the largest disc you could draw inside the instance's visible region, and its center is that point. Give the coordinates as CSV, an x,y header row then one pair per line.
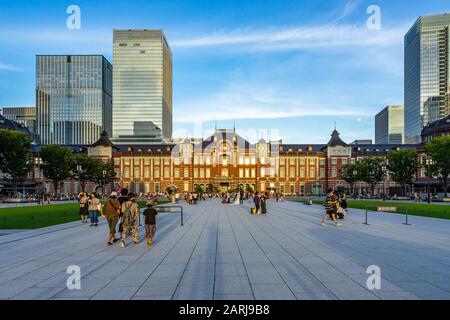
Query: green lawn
x,y
34,217
415,209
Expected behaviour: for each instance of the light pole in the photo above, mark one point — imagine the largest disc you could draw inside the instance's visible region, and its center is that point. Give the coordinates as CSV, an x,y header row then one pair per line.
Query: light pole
x,y
384,169
103,181
429,162
37,163
355,174
80,172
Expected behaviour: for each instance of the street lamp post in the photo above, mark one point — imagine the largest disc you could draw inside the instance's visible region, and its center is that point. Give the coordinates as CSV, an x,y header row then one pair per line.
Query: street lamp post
x,y
429,162
355,173
384,169
80,171
37,163
103,181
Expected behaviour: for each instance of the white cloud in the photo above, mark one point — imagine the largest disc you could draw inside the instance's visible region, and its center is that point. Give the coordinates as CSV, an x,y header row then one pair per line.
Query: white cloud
x,y
348,9
296,37
8,67
239,105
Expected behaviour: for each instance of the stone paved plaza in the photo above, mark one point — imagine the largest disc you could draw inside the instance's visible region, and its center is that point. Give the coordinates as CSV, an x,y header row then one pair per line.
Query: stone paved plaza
x,y
223,252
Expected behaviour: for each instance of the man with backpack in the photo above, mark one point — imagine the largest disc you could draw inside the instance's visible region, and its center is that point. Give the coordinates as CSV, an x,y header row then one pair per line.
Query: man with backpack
x,y
130,220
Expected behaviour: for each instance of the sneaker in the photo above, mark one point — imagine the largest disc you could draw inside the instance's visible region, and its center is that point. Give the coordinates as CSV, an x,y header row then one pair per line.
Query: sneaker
x,y
122,244
91,225
322,224
109,243
136,242
115,240
338,225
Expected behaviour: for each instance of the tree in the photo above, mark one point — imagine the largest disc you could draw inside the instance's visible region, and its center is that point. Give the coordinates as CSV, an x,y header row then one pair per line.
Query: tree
x,y
198,189
89,169
57,164
105,173
439,151
370,170
350,175
402,166
209,188
15,157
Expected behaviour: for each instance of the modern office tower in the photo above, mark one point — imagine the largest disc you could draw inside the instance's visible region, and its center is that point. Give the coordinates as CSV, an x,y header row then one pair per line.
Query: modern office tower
x,y
389,125
23,115
73,98
142,87
362,141
427,73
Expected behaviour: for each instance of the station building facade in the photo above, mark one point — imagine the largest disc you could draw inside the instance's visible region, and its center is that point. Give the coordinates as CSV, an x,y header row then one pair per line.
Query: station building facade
x,y
227,161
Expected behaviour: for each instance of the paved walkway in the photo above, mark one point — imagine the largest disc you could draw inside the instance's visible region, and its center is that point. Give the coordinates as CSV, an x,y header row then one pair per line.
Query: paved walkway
x,y
223,252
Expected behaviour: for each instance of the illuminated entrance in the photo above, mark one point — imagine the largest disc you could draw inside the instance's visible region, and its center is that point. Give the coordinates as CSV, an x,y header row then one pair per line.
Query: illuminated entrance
x,y
224,186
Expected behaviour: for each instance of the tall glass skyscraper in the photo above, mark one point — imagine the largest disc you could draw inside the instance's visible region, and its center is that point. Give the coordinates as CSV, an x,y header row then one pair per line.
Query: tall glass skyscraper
x,y
142,87
389,125
73,98
427,74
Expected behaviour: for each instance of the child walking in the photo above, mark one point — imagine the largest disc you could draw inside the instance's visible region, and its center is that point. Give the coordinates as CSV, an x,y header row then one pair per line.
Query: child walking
x,y
150,223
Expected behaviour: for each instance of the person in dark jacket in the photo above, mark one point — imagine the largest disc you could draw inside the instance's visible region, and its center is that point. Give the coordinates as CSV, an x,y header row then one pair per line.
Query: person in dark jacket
x,y
123,195
257,201
150,223
263,200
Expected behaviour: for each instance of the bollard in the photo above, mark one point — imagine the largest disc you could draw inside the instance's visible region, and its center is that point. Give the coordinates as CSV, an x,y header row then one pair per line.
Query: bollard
x,y
366,223
406,218
182,222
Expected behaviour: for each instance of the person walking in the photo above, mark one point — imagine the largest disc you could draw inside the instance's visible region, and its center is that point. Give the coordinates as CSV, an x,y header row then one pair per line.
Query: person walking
x,y
112,212
130,218
84,206
95,208
150,223
123,195
344,204
263,200
331,207
257,202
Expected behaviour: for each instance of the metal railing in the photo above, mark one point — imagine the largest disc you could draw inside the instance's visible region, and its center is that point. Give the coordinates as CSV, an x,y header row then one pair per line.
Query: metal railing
x,y
390,209
171,209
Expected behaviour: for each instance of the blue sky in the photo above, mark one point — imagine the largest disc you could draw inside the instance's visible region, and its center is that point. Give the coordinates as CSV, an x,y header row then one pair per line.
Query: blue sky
x,y
282,69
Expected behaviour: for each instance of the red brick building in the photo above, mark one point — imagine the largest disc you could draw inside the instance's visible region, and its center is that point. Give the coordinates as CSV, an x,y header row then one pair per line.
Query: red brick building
x,y
226,161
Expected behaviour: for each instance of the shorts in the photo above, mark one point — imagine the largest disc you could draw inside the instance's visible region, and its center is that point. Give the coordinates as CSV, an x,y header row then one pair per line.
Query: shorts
x,y
331,212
